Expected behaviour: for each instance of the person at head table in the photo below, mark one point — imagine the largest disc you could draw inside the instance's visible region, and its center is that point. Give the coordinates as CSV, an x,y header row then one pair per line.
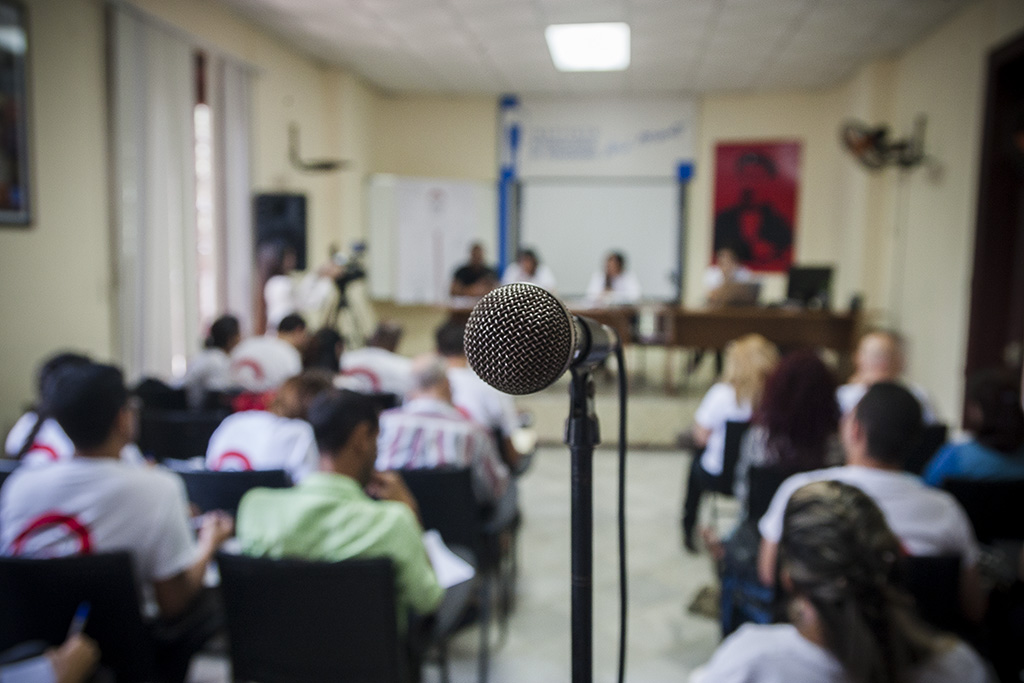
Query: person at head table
x,y
613,285
728,280
528,268
474,278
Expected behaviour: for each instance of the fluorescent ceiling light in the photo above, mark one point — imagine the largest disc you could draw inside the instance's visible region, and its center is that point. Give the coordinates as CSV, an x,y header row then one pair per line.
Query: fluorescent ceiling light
x,y
589,47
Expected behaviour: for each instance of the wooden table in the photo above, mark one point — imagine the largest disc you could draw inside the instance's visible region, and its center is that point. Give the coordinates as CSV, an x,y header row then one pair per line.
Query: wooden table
x,y
714,328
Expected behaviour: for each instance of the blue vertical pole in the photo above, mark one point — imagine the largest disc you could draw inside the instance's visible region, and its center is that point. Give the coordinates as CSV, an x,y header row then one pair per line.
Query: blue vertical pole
x,y
507,174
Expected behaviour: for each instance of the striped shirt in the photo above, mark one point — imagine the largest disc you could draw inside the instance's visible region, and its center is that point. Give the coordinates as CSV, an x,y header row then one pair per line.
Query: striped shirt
x,y
426,433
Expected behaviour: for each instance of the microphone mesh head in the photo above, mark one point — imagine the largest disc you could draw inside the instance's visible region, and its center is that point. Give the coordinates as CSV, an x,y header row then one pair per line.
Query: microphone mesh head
x,y
520,338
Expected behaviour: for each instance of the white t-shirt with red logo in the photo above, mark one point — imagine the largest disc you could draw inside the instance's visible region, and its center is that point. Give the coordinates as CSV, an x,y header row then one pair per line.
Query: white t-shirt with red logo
x,y
98,505
373,370
258,440
263,363
51,444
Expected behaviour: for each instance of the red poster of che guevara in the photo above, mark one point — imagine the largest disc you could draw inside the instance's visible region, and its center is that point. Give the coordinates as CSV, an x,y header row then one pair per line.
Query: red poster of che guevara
x,y
756,187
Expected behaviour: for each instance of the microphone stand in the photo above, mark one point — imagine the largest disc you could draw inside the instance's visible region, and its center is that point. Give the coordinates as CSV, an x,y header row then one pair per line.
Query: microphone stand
x,y
582,434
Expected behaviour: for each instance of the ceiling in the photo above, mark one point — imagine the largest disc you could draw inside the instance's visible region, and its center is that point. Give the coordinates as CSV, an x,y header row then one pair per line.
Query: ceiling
x,y
678,46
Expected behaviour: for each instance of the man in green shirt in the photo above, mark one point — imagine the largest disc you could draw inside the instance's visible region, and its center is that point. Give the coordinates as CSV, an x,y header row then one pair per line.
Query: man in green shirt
x,y
331,515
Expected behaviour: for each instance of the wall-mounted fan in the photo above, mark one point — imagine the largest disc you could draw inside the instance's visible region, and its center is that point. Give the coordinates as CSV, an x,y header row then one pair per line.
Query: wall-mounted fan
x,y
872,147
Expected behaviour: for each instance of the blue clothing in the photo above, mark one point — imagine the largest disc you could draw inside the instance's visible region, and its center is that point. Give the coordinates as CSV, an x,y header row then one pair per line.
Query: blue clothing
x,y
971,460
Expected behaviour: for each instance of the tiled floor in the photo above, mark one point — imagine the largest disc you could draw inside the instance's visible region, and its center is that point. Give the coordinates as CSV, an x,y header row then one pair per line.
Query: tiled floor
x,y
665,641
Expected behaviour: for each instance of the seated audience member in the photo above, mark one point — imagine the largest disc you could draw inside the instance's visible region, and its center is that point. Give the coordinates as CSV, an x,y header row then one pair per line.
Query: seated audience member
x,y
849,620
475,277
94,503
877,436
725,281
795,428
377,368
748,361
996,422
475,397
528,268
323,351
613,286
73,662
37,437
278,439
210,370
880,358
332,515
264,362
428,432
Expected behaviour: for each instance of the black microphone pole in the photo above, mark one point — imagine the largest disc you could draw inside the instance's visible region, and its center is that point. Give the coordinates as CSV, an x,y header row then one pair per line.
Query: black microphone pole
x,y
581,435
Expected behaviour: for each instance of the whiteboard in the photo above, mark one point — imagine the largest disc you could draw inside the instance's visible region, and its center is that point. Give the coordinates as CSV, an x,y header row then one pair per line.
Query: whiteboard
x,y
419,231
574,223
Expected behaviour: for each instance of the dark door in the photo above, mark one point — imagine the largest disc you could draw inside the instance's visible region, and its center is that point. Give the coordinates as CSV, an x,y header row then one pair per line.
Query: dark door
x,y
996,333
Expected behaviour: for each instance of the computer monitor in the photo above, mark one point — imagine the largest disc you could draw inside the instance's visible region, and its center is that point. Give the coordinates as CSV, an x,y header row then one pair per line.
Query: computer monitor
x,y
810,286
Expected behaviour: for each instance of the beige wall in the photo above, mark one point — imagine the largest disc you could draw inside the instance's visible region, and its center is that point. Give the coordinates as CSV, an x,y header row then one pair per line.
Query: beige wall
x,y
55,275
902,238
943,77
436,136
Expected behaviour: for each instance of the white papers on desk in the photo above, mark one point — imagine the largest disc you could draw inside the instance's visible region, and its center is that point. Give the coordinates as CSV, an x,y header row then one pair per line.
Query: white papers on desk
x,y
449,567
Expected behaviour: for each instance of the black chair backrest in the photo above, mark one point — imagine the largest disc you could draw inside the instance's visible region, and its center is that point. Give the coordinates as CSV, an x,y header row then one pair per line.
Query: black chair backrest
x,y
156,394
932,438
180,434
763,483
38,599
996,508
934,582
293,620
734,432
223,490
446,501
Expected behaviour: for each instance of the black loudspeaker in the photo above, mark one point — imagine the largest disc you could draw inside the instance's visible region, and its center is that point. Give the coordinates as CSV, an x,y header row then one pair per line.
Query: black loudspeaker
x,y
281,217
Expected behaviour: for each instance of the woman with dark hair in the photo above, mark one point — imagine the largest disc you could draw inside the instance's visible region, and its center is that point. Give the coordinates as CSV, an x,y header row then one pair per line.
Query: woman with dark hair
x,y
795,427
210,369
36,436
996,420
849,621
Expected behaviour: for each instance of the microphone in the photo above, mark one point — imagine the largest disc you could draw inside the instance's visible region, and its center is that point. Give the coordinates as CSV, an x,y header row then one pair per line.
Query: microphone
x,y
520,338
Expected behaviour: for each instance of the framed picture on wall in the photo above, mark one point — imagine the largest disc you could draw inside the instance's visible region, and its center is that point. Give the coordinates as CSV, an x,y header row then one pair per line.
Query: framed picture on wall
x,y
14,173
756,188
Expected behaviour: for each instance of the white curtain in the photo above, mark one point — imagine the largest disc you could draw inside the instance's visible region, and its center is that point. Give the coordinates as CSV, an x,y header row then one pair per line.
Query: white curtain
x,y
155,209
153,81
230,96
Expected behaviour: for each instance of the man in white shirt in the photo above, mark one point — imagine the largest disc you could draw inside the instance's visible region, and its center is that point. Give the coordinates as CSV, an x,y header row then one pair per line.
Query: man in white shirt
x,y
528,268
429,432
613,286
278,439
877,436
262,363
476,398
93,503
880,358
376,368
